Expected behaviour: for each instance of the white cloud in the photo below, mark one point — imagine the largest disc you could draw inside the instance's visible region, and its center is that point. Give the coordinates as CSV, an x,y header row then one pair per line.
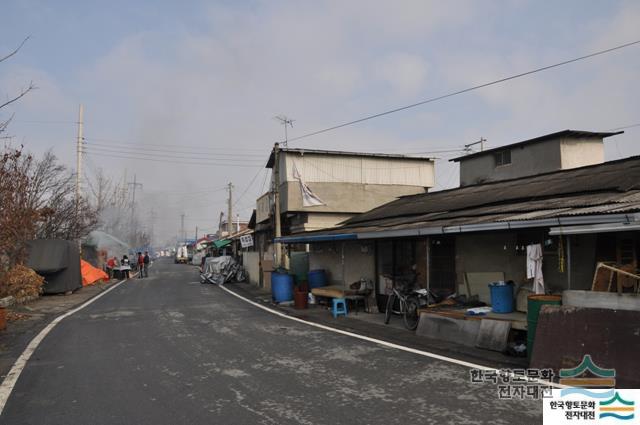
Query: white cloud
x,y
324,63
405,73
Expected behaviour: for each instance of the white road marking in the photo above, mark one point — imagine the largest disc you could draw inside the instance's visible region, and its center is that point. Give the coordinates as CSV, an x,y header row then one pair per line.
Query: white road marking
x,y
386,343
12,377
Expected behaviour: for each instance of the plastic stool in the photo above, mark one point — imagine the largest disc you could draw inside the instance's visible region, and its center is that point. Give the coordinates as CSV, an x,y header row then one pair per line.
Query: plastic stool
x,y
339,307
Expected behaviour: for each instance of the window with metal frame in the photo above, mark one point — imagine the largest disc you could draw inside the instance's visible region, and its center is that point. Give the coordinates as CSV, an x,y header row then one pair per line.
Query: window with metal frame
x,y
503,157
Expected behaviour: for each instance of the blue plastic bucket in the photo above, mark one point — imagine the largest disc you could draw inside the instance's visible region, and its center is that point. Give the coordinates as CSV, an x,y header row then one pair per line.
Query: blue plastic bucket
x,y
501,297
281,287
316,279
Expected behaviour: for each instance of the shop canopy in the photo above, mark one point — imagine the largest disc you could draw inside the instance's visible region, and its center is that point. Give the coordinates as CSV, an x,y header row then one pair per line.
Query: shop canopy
x,y
221,243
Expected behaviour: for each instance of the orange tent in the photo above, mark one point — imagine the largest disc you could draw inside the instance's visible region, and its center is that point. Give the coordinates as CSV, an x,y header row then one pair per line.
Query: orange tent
x,y
90,274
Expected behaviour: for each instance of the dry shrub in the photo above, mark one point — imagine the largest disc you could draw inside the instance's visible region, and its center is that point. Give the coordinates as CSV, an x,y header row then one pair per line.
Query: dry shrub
x,y
22,283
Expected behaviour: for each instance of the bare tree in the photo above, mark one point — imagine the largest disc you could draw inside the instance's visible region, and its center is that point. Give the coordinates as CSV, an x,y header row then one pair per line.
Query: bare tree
x,y
52,194
17,219
102,192
21,93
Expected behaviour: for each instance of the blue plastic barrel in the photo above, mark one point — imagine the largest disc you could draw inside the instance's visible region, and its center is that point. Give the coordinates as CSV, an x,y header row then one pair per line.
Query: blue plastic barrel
x,y
281,287
501,297
316,278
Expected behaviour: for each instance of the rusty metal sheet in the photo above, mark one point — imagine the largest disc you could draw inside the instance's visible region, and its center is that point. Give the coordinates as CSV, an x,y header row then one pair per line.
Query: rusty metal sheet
x,y
612,338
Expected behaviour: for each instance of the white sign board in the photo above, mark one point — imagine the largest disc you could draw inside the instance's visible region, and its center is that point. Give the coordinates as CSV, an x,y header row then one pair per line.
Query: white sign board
x,y
246,241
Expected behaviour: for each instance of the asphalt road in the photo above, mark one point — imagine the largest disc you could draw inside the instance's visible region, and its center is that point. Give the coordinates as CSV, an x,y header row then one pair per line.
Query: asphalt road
x,y
169,350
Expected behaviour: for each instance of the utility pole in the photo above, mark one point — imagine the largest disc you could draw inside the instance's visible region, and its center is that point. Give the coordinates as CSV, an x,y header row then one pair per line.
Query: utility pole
x,y
219,232
229,213
276,202
79,144
182,234
196,233
467,148
135,184
153,220
286,122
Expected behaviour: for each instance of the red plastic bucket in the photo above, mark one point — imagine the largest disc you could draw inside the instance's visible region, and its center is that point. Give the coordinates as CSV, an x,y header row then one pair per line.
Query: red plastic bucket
x,y
300,299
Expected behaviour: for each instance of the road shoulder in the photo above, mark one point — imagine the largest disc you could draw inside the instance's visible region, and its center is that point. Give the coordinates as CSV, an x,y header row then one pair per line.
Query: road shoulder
x,y
383,332
34,316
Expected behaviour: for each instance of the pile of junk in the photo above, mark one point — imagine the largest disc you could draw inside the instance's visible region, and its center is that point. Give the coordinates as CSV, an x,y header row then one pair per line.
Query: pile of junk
x,y
223,269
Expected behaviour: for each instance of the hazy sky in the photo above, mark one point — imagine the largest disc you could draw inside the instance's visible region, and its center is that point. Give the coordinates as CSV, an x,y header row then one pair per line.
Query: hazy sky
x,y
203,80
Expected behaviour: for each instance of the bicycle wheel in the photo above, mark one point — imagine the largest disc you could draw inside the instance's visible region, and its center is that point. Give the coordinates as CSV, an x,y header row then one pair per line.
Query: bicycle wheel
x,y
411,316
388,310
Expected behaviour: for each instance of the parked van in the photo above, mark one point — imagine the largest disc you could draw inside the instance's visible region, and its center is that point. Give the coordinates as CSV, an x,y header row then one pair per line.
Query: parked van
x,y
182,256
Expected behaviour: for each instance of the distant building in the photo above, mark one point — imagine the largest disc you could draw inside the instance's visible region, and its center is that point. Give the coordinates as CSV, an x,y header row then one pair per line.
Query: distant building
x,y
580,216
238,226
563,150
348,183
343,185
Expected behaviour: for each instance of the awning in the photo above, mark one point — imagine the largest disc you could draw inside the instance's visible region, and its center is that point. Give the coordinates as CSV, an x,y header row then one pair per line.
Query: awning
x,y
561,225
221,243
595,228
316,238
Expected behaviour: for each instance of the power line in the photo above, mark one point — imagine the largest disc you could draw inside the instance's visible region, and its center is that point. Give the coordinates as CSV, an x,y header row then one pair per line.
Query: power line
x,y
138,158
248,186
183,192
214,161
195,147
121,146
491,83
624,127
266,174
45,122
167,156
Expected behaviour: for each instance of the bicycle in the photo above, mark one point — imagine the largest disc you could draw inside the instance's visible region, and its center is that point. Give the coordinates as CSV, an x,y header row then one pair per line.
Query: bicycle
x,y
408,303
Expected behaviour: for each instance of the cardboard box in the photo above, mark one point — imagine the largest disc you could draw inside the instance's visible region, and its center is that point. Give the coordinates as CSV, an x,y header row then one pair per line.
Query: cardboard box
x,y
267,265
266,280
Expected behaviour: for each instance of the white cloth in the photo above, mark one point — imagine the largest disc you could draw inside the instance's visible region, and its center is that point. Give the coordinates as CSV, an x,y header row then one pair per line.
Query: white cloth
x,y
309,199
534,267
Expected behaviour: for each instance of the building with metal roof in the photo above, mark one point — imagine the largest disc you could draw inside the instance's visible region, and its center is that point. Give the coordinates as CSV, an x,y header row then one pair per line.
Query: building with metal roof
x,y
562,150
604,193
580,217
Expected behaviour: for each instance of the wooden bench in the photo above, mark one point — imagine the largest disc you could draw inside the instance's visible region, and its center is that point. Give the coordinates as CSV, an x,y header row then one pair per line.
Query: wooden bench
x,y
335,291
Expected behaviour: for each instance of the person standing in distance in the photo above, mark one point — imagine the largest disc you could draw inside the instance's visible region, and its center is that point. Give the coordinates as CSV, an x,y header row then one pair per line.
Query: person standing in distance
x,y
125,266
140,263
145,263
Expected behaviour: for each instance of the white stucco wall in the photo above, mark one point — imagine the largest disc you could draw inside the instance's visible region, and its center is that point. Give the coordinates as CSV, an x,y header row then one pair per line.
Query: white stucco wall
x,y
581,152
251,263
343,197
316,221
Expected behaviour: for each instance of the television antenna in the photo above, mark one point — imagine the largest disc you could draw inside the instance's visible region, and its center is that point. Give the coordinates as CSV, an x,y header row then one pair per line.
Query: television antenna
x,y
287,122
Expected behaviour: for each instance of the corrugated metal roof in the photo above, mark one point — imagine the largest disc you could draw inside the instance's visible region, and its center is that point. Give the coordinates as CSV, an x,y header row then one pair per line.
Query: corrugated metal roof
x,y
609,188
583,186
302,151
